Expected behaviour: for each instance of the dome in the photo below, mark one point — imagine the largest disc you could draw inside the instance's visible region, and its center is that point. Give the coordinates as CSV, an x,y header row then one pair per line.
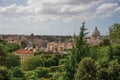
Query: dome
x,y
96,33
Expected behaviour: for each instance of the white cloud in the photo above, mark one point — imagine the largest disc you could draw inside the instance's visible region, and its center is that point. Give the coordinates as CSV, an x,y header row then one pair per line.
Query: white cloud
x,y
13,10
64,10
107,10
117,10
8,10
106,7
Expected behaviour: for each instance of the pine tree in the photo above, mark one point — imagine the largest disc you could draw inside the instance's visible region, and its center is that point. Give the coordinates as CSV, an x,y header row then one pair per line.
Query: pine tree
x,y
78,52
80,45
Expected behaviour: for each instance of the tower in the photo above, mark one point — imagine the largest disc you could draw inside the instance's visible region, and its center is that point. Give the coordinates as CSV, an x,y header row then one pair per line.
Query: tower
x,y
95,33
95,37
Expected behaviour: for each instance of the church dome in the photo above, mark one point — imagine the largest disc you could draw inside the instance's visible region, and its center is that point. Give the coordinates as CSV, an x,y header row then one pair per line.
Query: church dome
x,y
96,33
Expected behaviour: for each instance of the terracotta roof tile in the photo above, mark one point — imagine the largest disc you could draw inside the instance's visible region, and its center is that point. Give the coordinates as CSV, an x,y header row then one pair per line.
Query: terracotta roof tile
x,y
22,51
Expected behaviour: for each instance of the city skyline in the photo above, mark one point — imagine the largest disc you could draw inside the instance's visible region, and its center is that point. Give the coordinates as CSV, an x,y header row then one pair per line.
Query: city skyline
x,y
57,17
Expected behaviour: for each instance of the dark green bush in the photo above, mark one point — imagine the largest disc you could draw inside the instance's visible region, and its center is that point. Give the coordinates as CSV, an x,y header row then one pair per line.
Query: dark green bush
x,y
33,63
17,72
4,73
42,72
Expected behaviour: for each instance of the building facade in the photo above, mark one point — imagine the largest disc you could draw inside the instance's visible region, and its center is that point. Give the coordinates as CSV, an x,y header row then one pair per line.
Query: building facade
x,y
24,54
58,46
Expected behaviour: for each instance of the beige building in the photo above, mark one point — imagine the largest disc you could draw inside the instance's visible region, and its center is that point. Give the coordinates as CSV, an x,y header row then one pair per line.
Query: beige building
x,y
24,54
58,46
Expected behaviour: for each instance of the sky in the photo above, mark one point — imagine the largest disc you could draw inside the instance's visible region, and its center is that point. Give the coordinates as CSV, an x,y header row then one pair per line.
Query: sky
x,y
57,17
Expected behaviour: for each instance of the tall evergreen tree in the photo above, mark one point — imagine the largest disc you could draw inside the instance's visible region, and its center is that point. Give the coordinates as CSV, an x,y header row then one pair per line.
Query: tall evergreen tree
x,y
78,52
80,44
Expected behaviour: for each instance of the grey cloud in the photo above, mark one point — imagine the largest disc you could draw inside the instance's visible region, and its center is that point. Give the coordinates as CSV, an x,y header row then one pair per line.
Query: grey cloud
x,y
64,10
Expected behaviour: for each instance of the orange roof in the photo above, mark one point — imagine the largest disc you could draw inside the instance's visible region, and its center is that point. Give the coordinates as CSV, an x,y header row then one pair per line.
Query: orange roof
x,y
22,51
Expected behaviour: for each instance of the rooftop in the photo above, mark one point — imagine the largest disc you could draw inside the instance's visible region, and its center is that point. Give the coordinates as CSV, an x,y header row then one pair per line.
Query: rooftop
x,y
22,51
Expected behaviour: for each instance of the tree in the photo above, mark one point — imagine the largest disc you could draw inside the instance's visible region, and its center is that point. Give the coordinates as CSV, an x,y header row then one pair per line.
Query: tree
x,y
108,70
80,45
2,56
9,47
114,33
105,42
39,52
17,72
116,52
102,70
41,72
58,76
86,70
93,52
2,52
12,60
24,44
30,75
79,51
114,70
4,74
32,35
53,60
32,63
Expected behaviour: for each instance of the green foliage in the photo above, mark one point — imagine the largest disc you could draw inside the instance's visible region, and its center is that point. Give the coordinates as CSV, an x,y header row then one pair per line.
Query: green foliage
x,y
14,78
114,70
23,44
2,52
103,53
50,59
78,52
39,52
102,61
58,76
17,72
102,74
93,52
9,47
4,73
108,70
62,61
89,69
59,68
114,32
116,52
12,60
30,75
80,45
101,68
42,72
2,56
32,63
8,60
86,70
105,42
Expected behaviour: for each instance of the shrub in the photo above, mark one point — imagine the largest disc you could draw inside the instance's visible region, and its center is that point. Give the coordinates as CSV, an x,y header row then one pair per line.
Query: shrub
x,y
17,72
32,63
4,73
41,72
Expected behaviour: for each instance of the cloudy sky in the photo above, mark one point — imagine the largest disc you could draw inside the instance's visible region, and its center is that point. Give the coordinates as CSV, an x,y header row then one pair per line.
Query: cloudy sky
x,y
57,17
